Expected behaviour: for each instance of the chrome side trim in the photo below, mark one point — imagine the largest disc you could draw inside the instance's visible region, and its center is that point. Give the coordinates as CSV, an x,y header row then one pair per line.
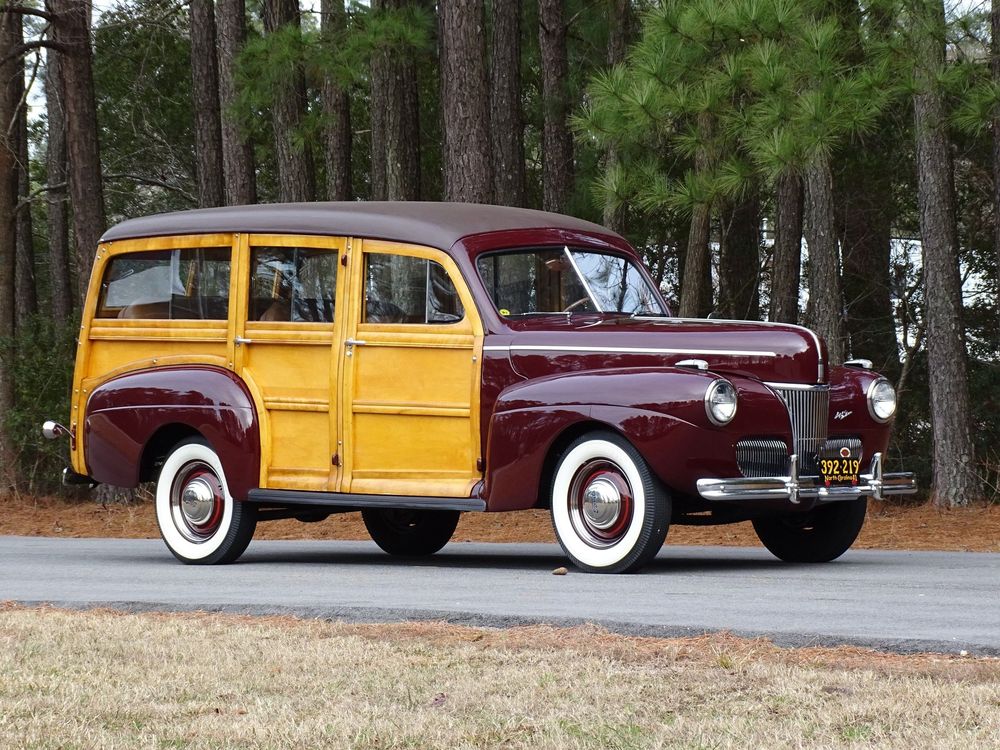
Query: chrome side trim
x,y
625,350
794,488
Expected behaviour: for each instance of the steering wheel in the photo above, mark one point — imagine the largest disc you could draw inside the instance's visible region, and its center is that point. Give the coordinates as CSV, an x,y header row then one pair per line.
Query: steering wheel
x,y
572,305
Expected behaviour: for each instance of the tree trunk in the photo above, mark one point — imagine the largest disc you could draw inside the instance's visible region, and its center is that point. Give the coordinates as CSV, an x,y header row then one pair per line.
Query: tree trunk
x,y
955,477
866,244
24,275
506,116
825,310
296,177
205,90
995,74
787,261
696,284
696,279
739,261
557,143
237,150
71,30
61,304
337,110
621,21
465,111
10,37
395,116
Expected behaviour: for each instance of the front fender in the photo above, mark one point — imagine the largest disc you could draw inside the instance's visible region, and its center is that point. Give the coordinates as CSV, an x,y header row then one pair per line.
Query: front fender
x,y
125,413
661,411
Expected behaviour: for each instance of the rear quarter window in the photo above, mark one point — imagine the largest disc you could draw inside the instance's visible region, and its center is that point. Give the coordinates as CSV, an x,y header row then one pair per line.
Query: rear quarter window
x,y
183,284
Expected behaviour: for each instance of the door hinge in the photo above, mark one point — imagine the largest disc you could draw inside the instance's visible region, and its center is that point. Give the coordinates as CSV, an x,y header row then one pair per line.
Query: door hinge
x,y
335,460
479,465
343,261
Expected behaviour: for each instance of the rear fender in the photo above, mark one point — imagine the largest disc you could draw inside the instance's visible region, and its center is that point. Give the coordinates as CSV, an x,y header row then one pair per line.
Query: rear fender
x,y
125,414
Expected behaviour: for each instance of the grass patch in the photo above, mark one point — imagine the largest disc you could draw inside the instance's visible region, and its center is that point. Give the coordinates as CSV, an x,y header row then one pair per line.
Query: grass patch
x,y
101,679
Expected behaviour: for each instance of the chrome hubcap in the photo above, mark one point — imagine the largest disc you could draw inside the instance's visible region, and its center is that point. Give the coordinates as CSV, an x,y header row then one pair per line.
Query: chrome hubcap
x,y
602,503
197,501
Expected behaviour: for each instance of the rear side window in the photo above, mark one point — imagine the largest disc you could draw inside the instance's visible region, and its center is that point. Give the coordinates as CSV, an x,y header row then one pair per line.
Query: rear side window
x,y
293,284
404,289
183,284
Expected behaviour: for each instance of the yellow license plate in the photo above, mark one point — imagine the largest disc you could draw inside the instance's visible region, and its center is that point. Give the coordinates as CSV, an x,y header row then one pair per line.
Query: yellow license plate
x,y
840,470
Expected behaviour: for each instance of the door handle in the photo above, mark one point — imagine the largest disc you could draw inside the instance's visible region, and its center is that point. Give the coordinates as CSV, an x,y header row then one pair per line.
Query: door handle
x,y
240,340
355,342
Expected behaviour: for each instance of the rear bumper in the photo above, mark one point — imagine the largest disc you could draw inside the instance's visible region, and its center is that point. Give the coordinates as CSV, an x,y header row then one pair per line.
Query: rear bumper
x,y
794,488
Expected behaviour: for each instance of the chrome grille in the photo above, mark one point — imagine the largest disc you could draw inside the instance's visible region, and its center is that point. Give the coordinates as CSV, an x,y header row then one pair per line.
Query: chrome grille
x,y
809,411
762,457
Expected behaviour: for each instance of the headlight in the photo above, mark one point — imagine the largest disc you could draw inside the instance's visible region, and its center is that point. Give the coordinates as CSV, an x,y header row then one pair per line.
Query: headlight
x,y
881,400
720,402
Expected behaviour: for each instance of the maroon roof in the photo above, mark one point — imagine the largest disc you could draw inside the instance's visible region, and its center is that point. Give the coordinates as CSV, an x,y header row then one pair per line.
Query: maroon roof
x,y
434,224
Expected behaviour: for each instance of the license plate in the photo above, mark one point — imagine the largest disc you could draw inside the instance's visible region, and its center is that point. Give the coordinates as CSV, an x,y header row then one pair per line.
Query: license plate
x,y
840,469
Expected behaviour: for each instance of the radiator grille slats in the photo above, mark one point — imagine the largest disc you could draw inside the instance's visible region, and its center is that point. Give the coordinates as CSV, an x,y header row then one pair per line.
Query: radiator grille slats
x,y
809,410
762,457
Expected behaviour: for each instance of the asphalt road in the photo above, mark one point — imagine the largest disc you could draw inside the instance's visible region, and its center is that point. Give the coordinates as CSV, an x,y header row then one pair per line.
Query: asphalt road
x,y
899,601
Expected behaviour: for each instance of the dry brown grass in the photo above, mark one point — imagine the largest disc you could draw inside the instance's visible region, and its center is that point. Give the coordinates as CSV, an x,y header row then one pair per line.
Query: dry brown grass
x,y
889,526
106,680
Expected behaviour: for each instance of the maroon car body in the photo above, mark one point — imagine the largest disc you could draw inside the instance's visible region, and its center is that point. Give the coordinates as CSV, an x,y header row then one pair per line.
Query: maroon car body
x,y
547,382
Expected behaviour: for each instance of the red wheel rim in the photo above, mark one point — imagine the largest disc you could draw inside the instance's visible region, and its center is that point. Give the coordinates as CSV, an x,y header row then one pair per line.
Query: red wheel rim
x,y
601,503
197,502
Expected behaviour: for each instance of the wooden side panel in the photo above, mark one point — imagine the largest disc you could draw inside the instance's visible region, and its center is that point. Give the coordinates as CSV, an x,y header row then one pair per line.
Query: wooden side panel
x,y
293,368
413,389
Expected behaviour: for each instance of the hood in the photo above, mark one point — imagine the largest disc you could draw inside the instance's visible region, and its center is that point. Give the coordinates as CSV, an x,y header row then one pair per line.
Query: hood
x,y
771,352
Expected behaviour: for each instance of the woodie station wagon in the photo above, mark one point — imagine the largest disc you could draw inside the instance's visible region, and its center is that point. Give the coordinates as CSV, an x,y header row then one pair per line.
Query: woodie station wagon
x,y
416,360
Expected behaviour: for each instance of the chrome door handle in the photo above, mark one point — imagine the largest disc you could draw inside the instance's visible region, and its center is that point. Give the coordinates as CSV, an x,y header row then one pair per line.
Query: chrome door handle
x,y
240,340
355,342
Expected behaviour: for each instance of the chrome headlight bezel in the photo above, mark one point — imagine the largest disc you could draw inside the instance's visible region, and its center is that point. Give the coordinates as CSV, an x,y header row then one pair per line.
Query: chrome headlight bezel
x,y
717,386
870,398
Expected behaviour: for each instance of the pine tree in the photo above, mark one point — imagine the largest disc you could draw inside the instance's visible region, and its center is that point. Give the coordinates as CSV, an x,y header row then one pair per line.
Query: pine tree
x,y
205,89
237,150
296,175
956,481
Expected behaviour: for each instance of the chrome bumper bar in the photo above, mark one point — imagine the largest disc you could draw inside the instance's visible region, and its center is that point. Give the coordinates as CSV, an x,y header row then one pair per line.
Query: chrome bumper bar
x,y
795,488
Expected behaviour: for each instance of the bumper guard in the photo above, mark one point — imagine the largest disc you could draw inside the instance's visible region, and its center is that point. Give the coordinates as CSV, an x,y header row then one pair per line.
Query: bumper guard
x,y
794,488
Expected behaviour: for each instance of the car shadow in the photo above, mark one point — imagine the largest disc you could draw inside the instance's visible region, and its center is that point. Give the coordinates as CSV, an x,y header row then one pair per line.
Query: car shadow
x,y
669,561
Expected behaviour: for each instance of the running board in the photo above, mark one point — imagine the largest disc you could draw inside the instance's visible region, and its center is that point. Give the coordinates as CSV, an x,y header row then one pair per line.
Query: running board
x,y
347,500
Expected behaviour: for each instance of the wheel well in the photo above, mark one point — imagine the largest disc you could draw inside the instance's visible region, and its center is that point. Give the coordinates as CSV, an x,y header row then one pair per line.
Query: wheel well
x,y
159,445
560,444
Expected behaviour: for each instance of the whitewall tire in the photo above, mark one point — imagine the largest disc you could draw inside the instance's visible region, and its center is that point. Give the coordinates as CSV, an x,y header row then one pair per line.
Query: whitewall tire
x,y
609,512
198,518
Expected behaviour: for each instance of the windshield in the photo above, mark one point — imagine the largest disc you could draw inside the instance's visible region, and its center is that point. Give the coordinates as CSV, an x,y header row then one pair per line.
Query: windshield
x,y
553,280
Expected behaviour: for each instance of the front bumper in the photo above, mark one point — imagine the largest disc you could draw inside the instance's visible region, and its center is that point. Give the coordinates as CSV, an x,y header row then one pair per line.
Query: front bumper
x,y
794,488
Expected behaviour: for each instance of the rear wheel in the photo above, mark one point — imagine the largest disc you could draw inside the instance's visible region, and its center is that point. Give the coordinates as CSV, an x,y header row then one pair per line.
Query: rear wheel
x,y
410,533
199,521
609,512
820,535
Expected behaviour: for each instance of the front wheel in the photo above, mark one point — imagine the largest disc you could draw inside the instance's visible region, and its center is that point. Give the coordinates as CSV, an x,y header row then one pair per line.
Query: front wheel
x,y
819,535
609,512
199,521
410,533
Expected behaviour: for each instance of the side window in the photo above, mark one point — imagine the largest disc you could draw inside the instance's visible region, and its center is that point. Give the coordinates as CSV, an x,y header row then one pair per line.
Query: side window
x,y
183,284
403,289
293,284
